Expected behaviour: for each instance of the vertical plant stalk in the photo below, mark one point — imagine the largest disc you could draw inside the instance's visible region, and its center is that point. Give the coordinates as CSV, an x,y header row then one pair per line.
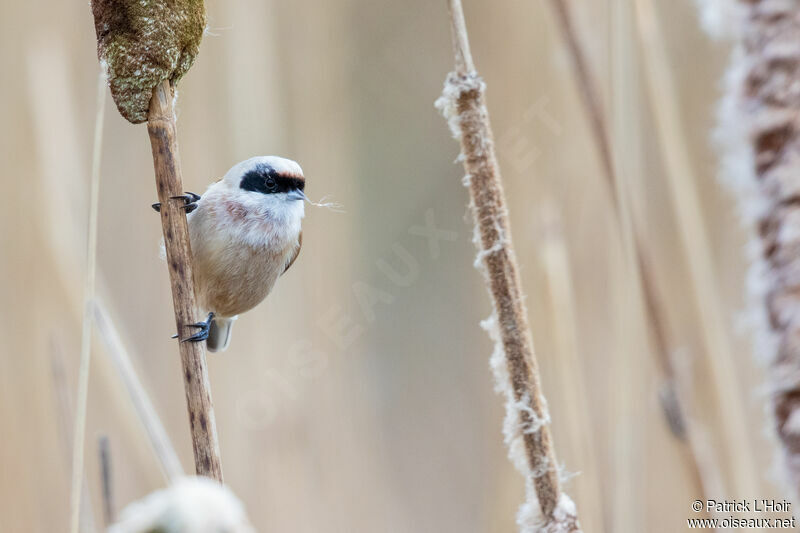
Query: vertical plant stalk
x,y
764,100
163,138
591,99
527,429
79,432
673,403
590,94
626,365
66,419
737,455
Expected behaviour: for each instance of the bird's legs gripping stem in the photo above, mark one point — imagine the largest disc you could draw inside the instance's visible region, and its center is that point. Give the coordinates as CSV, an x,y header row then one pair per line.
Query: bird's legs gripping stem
x,y
202,334
189,202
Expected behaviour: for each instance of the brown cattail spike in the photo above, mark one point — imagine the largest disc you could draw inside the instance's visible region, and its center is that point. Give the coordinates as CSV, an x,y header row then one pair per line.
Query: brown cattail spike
x,y
145,42
760,130
527,428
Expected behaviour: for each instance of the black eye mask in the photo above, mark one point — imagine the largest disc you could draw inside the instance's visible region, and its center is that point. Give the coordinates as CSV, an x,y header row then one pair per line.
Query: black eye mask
x,y
268,181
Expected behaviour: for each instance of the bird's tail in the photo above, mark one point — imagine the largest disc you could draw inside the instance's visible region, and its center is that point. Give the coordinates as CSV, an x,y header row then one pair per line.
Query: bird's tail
x,y
219,334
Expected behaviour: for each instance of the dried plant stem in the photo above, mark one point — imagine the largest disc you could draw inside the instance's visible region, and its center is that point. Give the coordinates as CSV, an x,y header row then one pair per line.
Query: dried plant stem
x,y
737,455
590,96
655,316
586,85
163,138
463,104
66,418
159,440
764,105
625,363
79,432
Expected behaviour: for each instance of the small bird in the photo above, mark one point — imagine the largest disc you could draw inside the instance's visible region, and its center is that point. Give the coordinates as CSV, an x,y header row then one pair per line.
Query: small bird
x,y
245,231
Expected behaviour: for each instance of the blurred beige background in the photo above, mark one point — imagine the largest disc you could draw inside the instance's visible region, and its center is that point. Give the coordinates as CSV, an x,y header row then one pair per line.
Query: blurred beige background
x,y
334,415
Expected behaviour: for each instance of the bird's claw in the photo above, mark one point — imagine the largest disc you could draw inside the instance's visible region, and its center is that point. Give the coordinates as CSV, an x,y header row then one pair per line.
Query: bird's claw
x,y
189,202
200,335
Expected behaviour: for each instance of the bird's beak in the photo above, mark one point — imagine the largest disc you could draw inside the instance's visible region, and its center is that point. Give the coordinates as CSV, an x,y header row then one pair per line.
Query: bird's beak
x,y
296,194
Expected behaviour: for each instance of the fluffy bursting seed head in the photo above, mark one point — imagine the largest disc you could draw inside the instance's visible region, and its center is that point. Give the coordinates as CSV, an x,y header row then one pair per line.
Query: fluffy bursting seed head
x,y
190,505
144,42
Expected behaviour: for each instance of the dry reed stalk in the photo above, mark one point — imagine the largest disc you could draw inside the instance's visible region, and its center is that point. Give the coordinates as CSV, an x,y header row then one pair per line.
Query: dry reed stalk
x,y
591,99
729,404
527,430
163,138
79,432
588,88
760,124
66,418
157,436
672,400
590,96
626,364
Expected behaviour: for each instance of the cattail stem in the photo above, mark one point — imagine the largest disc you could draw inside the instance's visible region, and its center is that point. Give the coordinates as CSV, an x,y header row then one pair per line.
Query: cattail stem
x,y
163,138
463,104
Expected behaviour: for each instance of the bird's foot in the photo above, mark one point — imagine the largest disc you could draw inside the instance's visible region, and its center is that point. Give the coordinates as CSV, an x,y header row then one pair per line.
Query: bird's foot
x,y
202,334
189,202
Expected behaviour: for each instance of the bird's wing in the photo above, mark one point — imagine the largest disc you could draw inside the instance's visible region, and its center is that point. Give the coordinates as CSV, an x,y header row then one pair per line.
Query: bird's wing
x,y
291,261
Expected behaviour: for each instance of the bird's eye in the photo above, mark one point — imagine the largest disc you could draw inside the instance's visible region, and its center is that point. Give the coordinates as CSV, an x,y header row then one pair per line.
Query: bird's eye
x,y
271,184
